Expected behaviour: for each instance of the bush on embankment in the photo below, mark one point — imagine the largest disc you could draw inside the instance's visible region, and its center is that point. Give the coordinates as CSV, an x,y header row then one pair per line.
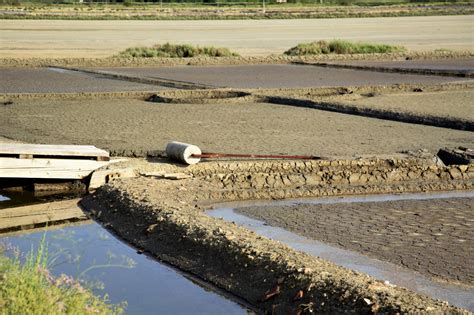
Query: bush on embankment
x,y
338,46
29,288
176,51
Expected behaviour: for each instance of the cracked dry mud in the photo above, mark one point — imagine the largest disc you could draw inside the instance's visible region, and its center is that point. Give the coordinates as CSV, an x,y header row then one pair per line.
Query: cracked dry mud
x,y
433,237
127,125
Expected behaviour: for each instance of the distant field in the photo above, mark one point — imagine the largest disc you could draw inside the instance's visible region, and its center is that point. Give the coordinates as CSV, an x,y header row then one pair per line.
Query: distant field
x,y
43,38
222,10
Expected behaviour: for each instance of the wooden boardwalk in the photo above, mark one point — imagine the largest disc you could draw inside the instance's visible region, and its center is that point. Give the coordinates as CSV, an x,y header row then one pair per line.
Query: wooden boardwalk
x,y
50,161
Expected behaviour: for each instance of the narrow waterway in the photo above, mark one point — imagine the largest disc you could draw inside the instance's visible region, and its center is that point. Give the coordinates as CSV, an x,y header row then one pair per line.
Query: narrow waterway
x,y
95,256
455,294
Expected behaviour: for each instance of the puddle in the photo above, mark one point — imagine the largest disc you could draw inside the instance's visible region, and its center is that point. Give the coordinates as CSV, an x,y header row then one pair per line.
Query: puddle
x,y
350,199
454,294
61,70
92,254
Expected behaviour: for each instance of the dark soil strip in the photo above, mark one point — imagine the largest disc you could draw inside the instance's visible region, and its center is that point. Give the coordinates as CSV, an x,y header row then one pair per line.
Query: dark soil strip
x,y
155,81
438,72
429,120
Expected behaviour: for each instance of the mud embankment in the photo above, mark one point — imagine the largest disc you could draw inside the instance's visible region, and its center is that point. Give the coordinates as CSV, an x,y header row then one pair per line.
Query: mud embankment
x,y
166,219
203,61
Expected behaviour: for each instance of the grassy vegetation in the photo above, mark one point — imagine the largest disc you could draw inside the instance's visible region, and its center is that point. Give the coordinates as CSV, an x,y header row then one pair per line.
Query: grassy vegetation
x,y
176,51
341,47
29,288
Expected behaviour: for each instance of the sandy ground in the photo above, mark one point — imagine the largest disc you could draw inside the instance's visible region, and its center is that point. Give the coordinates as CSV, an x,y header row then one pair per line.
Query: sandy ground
x,y
277,76
56,38
454,104
461,64
15,80
243,128
433,237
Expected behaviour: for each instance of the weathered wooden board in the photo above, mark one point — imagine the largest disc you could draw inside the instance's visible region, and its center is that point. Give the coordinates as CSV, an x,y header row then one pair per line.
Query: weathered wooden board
x,y
34,229
52,150
48,168
13,218
101,177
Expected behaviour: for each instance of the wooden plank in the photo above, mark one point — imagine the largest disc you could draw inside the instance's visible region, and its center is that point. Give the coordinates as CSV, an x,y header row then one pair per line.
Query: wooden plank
x,y
17,217
52,150
101,177
48,168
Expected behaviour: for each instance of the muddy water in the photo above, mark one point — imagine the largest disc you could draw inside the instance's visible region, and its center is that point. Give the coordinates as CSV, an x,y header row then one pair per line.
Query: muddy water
x,y
95,256
50,80
455,294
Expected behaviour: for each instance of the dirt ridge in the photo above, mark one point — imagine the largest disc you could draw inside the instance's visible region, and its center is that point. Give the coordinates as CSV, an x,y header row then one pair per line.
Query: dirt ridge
x,y
428,120
165,218
242,60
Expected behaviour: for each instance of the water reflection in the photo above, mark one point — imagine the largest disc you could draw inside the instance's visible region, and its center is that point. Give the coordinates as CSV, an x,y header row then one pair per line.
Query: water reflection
x,y
96,257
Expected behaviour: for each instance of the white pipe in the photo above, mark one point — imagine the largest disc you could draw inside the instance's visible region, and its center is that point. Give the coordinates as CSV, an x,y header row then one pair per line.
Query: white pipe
x,y
181,152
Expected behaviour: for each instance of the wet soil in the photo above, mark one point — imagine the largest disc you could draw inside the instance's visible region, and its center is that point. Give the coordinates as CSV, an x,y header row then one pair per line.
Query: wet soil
x,y
15,80
433,237
277,76
127,125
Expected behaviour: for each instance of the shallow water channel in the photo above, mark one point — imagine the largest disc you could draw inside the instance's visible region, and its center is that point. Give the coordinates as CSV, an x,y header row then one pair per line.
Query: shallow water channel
x,y
455,294
93,255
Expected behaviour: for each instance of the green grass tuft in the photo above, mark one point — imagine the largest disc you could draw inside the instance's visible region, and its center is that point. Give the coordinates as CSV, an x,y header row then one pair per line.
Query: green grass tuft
x,y
176,51
338,46
29,288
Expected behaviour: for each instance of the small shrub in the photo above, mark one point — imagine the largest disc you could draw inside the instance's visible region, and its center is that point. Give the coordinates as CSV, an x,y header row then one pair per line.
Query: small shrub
x,y
30,288
176,51
340,47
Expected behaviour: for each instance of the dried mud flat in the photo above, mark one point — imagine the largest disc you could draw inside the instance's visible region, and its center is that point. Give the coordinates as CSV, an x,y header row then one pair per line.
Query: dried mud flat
x,y
433,237
132,126
452,104
165,219
66,39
